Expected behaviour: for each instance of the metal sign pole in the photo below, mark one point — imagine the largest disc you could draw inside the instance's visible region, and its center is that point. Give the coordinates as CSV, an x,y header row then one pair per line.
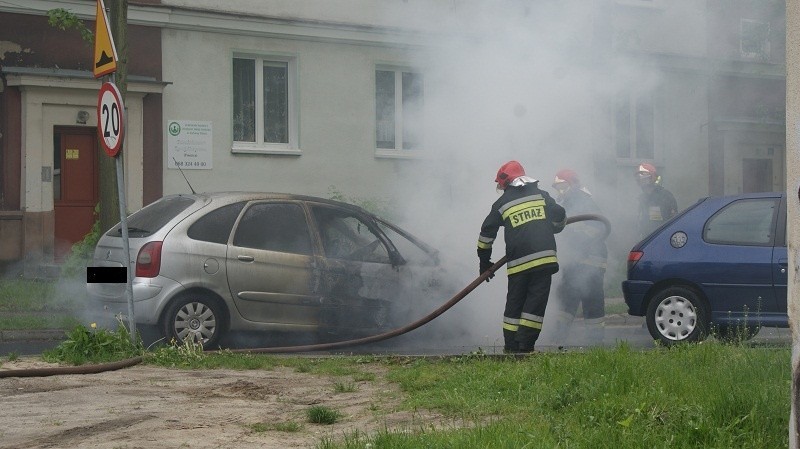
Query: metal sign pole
x,y
123,220
111,107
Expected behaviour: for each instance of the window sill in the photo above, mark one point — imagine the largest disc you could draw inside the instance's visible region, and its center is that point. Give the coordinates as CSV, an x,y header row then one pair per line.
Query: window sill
x,y
642,4
278,150
397,154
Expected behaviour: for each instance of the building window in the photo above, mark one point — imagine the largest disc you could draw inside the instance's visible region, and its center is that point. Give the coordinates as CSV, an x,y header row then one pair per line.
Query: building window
x,y
635,126
754,42
263,105
398,110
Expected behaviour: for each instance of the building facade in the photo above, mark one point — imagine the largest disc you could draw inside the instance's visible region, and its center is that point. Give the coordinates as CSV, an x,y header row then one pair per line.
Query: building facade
x,y
396,99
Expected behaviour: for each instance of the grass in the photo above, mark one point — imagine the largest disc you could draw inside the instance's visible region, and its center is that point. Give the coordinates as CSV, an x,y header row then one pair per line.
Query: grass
x,y
39,304
707,395
319,414
289,426
344,387
50,321
25,295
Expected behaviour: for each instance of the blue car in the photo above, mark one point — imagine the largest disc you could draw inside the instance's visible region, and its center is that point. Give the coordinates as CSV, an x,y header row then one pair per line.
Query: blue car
x,y
719,267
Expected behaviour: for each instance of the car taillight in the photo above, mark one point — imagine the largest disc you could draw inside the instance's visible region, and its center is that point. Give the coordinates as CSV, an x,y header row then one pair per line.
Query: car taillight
x,y
634,257
148,262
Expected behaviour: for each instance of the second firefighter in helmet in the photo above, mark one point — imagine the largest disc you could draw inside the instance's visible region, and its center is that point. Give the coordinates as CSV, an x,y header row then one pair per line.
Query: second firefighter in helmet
x,y
656,204
530,218
583,254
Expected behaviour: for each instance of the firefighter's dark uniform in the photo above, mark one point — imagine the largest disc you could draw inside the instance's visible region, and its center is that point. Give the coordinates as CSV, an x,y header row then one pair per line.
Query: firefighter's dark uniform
x,y
583,258
531,218
655,207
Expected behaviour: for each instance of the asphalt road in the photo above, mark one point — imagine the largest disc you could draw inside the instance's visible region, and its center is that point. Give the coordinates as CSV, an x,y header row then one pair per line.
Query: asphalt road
x,y
619,329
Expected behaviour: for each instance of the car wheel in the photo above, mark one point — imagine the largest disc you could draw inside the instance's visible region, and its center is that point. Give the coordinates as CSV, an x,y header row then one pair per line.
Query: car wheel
x,y
196,318
676,315
733,333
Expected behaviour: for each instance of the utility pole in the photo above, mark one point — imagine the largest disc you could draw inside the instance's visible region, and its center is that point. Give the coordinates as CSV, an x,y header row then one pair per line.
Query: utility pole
x,y
109,199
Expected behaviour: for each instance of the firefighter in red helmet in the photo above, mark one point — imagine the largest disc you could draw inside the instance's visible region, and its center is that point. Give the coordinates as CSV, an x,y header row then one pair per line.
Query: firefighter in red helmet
x,y
530,218
582,257
656,204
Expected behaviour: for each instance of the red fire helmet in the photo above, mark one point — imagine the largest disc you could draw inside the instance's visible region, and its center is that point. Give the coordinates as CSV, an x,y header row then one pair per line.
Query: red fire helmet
x,y
646,169
566,175
507,173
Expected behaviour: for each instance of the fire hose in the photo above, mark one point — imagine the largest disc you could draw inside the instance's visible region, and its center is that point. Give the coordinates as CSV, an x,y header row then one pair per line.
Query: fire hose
x,y
97,368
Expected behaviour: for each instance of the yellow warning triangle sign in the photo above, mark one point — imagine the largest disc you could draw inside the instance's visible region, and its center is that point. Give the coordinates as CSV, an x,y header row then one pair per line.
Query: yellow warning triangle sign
x,y
105,52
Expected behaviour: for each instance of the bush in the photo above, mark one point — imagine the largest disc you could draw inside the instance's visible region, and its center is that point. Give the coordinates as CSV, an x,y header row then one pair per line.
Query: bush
x,y
82,252
95,346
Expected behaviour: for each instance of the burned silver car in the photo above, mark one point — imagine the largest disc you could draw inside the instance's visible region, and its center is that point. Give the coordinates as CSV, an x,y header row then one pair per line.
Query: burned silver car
x,y
210,263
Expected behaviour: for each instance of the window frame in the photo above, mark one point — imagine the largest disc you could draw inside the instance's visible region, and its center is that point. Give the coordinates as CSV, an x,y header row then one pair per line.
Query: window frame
x,y
633,156
651,4
259,146
397,151
766,46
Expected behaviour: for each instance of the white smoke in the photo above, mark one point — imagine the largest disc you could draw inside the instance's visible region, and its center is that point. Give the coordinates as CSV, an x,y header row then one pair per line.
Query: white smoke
x,y
503,81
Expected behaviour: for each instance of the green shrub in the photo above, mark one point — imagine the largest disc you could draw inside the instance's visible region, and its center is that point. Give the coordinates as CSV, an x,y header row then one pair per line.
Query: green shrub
x,y
322,415
95,346
81,254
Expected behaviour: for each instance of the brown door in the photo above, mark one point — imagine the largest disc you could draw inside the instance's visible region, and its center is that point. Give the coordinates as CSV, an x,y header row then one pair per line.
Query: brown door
x,y
75,186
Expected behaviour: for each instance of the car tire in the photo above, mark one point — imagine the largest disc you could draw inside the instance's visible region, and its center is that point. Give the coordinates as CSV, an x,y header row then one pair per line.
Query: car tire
x,y
735,333
196,317
677,315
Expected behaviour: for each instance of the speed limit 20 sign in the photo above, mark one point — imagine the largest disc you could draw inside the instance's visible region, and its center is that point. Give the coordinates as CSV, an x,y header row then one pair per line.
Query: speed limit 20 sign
x,y
110,117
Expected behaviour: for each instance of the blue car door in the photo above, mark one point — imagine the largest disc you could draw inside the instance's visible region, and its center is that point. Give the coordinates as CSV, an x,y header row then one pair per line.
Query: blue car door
x,y
739,239
780,266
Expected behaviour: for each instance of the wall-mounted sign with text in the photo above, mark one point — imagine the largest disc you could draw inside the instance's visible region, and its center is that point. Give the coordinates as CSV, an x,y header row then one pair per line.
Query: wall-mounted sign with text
x,y
189,145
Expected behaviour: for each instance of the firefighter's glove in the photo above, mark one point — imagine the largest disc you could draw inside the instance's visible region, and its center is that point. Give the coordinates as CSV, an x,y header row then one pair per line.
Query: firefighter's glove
x,y
485,265
559,226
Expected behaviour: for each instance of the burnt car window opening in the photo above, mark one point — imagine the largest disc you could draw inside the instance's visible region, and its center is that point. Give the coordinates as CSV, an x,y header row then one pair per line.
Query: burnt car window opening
x,y
150,219
743,222
345,236
274,227
216,225
411,251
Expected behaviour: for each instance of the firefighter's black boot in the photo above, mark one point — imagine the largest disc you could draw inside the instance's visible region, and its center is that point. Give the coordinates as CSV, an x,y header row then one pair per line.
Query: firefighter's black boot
x,y
527,345
511,343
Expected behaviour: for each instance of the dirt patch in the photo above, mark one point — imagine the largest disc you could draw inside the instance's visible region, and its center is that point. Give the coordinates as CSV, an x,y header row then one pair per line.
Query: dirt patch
x,y
151,407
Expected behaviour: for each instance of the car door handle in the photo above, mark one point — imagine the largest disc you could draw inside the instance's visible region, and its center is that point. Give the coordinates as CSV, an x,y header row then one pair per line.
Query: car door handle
x,y
245,258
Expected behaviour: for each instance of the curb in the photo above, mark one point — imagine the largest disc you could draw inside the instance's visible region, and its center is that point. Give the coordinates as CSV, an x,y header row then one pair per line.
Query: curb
x,y
623,320
32,335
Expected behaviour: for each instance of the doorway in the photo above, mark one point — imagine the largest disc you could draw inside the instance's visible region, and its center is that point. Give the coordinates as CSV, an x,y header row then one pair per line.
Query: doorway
x,y
756,175
75,186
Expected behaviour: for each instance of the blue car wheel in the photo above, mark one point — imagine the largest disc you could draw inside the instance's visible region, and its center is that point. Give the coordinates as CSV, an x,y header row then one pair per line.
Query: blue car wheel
x,y
676,315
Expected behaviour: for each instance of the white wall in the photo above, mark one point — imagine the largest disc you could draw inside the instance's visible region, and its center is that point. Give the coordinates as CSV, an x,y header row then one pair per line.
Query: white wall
x,y
335,83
